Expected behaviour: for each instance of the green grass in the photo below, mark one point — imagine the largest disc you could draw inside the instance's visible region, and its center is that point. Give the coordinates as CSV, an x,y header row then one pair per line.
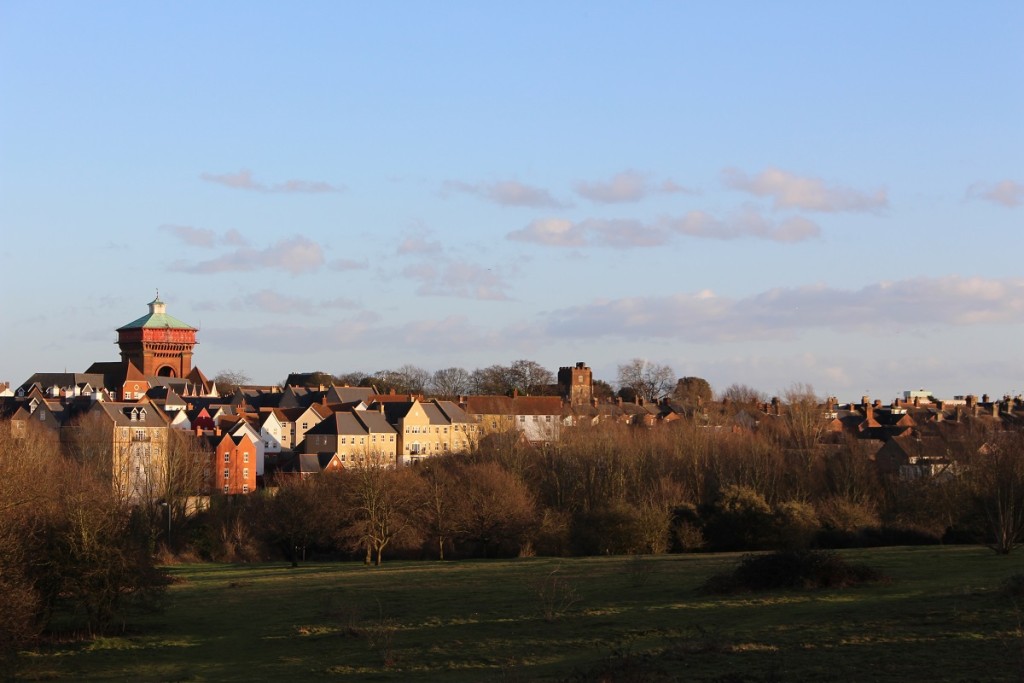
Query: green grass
x,y
940,618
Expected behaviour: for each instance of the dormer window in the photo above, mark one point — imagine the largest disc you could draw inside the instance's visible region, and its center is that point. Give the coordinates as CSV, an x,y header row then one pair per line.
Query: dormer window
x,y
142,413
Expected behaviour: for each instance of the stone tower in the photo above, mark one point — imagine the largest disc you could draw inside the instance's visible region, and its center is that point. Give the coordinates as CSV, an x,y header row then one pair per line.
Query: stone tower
x,y
158,344
576,384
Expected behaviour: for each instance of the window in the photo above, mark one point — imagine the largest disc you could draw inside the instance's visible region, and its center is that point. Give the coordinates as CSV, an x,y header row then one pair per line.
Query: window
x,y
343,440
375,438
225,488
522,418
392,438
494,424
245,457
245,488
245,473
305,426
547,418
227,473
227,457
362,439
535,418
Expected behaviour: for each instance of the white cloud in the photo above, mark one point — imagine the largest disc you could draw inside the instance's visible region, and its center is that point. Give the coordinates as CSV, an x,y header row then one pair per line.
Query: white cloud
x,y
1005,193
243,180
789,191
781,312
294,255
506,193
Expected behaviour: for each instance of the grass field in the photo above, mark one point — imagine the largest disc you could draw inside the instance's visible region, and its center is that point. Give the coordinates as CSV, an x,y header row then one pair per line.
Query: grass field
x,y
941,617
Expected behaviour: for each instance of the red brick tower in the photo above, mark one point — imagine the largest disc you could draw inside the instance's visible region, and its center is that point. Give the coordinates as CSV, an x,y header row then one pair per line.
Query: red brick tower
x,y
157,343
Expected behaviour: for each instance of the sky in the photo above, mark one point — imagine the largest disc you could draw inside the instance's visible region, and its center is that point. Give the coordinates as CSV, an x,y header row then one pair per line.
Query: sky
x,y
766,194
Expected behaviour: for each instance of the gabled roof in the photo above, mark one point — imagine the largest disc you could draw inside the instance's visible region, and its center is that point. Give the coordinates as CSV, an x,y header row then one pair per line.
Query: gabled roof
x,y
338,424
453,412
537,405
489,405
374,422
434,414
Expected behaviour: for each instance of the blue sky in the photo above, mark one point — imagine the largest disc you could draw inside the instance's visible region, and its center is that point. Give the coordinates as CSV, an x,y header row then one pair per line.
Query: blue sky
x,y
756,193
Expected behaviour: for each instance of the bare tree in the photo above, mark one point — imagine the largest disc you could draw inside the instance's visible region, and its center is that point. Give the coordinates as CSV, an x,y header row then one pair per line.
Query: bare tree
x,y
450,382
439,507
996,479
384,501
529,377
496,510
647,380
187,475
228,381
743,394
492,380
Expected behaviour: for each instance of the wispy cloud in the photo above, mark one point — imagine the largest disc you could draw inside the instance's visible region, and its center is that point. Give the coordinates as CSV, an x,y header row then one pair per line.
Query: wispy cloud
x,y
626,234
294,255
243,180
1007,193
779,313
505,193
203,237
627,186
789,191
445,277
746,223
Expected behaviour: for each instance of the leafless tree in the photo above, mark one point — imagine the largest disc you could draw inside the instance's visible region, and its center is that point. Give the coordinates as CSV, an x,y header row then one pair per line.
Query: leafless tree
x,y
496,508
450,382
439,507
529,377
996,477
647,380
228,381
743,394
384,501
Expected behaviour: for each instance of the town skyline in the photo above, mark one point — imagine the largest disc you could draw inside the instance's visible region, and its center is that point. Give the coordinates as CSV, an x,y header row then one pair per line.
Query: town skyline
x,y
755,195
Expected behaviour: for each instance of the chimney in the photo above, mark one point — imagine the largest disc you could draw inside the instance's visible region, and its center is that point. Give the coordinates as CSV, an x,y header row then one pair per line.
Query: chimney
x,y
639,400
917,401
984,398
216,431
515,393
869,411
864,400
776,406
877,403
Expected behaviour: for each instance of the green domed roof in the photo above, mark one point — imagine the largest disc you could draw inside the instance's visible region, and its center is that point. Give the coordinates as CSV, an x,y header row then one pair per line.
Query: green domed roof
x,y
157,317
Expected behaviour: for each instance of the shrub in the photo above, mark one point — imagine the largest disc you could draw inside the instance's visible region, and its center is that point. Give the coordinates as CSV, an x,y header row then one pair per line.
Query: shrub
x,y
804,569
740,519
796,524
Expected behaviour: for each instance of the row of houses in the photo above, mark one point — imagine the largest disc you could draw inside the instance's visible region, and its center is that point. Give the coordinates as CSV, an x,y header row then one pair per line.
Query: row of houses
x,y
130,413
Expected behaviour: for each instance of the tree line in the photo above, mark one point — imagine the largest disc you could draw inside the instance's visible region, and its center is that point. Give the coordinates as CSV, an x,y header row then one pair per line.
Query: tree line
x,y
76,555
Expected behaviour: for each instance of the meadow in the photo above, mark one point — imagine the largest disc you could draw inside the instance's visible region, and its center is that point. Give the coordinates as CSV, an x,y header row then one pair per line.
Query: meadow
x,y
941,616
